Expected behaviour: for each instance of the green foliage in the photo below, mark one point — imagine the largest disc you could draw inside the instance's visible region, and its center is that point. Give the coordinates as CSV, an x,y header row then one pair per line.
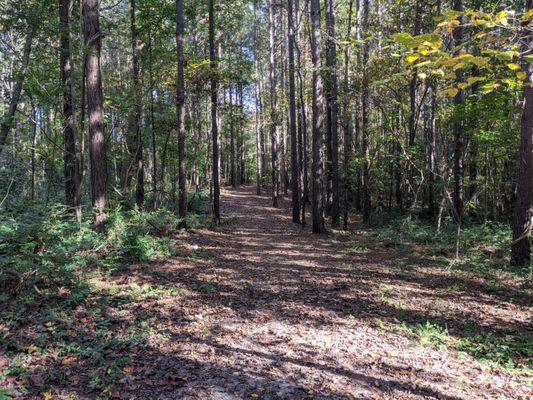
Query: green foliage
x,y
431,335
509,352
45,248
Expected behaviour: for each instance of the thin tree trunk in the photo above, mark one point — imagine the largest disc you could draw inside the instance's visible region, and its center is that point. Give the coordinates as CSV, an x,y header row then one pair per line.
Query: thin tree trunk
x,y
303,119
180,86
8,119
365,99
214,117
95,107
258,163
233,174
242,156
295,174
136,128
347,119
523,213
71,166
273,108
33,143
333,113
458,131
318,120
152,125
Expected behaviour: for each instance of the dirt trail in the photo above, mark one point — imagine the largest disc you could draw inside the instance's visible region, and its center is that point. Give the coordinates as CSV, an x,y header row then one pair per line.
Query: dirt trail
x,y
259,309
273,312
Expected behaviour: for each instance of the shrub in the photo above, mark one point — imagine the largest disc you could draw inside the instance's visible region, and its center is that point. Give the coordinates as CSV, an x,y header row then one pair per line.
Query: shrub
x,y
45,248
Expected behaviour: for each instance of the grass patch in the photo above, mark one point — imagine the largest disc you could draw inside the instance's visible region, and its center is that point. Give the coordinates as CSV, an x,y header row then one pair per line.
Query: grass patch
x,y
511,353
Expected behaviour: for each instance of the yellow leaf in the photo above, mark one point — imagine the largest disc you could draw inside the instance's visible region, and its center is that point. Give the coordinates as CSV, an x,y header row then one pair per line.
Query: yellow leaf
x,y
450,92
450,75
513,66
521,76
411,58
528,16
473,80
463,85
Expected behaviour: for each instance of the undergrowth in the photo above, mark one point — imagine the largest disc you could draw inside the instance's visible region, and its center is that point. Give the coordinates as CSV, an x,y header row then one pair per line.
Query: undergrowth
x,y
484,248
510,353
44,249
485,254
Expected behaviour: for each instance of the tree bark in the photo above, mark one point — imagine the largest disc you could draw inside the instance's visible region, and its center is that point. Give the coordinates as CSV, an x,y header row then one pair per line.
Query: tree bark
x,y
295,173
155,192
365,99
8,119
180,104
214,117
233,174
333,113
523,212
273,108
258,163
318,120
347,119
71,166
95,108
136,120
458,147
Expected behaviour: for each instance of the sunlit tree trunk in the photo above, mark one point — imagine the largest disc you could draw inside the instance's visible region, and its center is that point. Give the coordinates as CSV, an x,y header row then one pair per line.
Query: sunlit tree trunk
x,y
346,118
180,86
318,120
95,109
136,120
523,213
295,174
214,116
273,108
365,99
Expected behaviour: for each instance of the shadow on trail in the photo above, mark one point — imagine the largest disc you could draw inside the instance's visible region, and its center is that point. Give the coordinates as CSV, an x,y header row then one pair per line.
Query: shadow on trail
x,y
257,269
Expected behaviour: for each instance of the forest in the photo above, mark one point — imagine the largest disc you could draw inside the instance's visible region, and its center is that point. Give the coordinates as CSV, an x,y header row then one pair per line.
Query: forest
x,y
266,199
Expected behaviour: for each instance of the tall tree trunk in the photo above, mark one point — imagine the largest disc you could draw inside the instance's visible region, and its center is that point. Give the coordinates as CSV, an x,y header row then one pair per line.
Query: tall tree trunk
x,y
33,152
346,113
258,163
303,119
233,174
71,166
242,156
432,162
333,112
295,174
7,121
413,111
365,99
136,128
95,108
214,117
273,108
523,212
180,86
318,120
152,125
458,131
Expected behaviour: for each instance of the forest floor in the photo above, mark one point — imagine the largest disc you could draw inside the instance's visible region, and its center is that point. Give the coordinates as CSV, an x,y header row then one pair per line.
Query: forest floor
x,y
258,308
